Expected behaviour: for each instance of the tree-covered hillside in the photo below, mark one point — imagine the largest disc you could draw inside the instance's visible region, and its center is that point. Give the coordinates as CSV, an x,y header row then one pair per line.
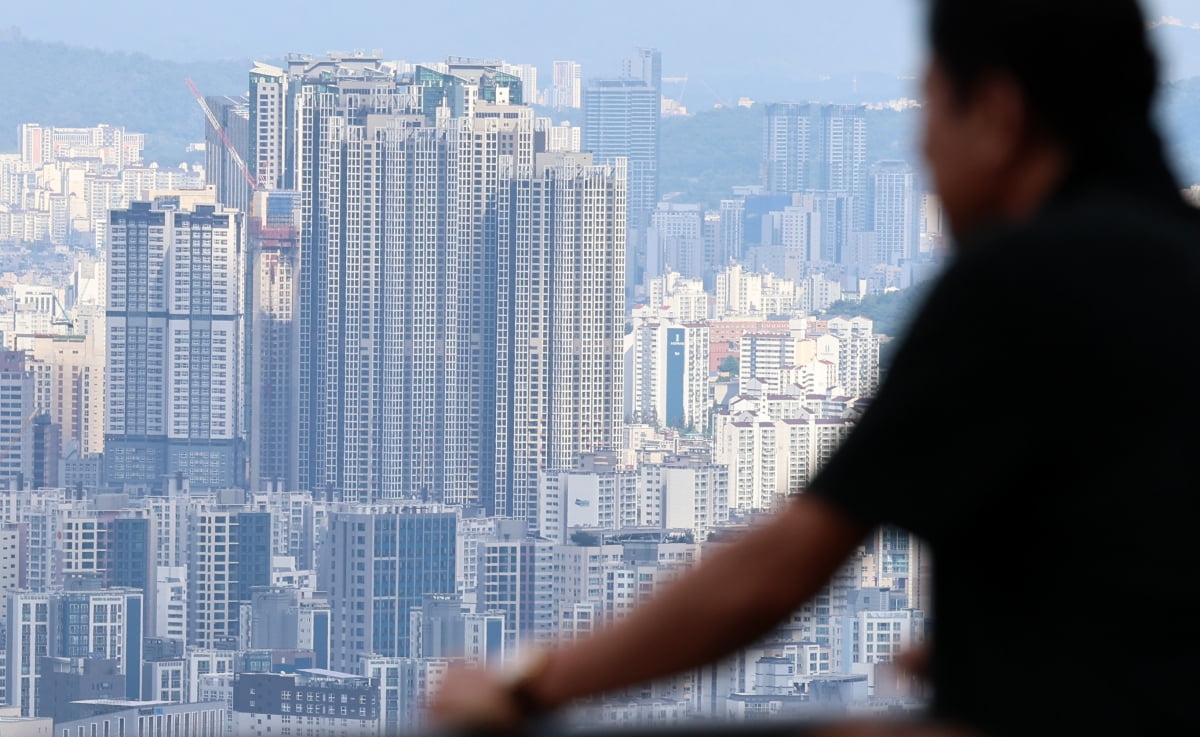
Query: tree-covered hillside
x,y
891,314
891,311
56,84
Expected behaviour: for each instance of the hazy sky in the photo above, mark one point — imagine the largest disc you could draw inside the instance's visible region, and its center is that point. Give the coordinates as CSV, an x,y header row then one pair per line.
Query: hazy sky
x,y
722,47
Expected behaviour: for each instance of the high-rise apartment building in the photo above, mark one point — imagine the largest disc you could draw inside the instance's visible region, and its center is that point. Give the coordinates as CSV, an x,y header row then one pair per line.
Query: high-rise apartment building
x,y
76,622
516,579
561,138
896,212
675,241
668,373
69,384
16,418
567,91
378,562
406,686
528,74
229,552
561,319
732,239
858,355
175,345
273,340
810,147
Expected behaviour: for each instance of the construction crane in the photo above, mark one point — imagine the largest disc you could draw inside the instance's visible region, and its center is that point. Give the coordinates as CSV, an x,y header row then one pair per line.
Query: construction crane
x,y
682,82
220,129
60,316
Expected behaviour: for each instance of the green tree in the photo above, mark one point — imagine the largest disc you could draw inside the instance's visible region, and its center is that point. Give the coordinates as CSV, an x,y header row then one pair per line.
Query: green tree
x,y
585,539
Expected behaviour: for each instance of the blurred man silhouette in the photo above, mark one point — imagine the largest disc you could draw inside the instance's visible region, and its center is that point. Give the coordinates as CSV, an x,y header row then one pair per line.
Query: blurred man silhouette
x,y
1037,427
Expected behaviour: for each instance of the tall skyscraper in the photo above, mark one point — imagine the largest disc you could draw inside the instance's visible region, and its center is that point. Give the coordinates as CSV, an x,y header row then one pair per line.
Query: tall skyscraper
x,y
561,316
896,212
809,147
621,120
175,345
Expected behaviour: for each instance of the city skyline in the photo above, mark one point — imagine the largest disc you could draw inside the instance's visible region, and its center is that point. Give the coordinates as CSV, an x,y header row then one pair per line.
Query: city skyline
x,y
816,41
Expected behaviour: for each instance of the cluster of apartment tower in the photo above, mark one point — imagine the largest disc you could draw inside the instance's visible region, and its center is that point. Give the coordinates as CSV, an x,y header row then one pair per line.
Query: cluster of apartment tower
x,y
418,376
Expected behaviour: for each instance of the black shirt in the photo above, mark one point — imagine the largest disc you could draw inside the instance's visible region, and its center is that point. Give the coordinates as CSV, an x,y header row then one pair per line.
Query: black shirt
x,y
1040,429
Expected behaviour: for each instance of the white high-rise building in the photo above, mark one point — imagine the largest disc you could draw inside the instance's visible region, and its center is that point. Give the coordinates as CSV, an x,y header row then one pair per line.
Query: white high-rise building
x,y
528,74
516,579
29,640
770,457
561,138
682,299
668,369
212,611
405,687
69,373
561,317
858,355
693,494
567,91
896,206
598,492
741,293
174,379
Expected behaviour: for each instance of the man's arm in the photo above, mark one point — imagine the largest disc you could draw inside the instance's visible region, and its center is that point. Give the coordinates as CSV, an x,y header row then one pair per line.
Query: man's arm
x,y
727,601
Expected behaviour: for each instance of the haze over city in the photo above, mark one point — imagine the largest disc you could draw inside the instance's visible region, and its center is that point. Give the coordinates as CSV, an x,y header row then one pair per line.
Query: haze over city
x,y
755,49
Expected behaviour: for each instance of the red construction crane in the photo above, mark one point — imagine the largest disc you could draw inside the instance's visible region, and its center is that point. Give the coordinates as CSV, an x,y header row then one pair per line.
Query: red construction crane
x,y
216,124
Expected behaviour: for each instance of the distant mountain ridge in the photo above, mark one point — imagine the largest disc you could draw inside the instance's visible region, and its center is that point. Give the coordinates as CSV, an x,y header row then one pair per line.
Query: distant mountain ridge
x,y
66,85
73,86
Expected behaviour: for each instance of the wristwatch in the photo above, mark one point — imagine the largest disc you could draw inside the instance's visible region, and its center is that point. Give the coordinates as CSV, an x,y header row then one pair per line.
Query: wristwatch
x,y
522,675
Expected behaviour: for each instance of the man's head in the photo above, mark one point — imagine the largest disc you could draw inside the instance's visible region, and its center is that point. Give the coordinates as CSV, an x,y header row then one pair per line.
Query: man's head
x,y
1019,92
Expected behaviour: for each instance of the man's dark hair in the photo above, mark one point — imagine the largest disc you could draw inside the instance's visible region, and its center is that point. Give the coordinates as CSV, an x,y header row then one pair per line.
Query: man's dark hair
x,y
1086,67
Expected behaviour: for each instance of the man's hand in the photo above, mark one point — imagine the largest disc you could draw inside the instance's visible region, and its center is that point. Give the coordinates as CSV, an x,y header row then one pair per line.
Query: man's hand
x,y
476,701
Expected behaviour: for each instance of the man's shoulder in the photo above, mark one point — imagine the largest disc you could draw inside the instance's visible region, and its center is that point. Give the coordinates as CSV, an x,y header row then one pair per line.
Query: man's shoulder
x,y
1101,230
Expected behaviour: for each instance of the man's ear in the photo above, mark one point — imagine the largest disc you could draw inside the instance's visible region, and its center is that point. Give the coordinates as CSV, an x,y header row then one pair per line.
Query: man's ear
x,y
1000,121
